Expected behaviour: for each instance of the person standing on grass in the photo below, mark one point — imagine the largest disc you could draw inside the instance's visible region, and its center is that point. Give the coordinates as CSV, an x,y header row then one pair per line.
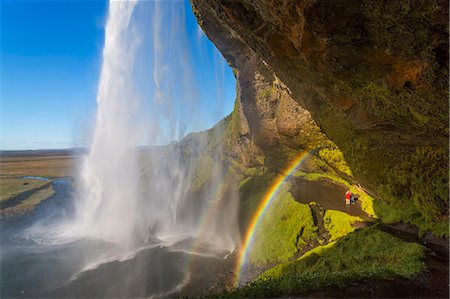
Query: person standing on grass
x,y
348,196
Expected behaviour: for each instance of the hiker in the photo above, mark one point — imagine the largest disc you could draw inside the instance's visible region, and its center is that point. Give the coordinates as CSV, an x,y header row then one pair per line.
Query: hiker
x,y
352,198
348,196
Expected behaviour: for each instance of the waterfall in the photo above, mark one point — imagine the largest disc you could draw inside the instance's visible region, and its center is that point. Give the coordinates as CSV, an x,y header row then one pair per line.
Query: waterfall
x,y
130,194
109,175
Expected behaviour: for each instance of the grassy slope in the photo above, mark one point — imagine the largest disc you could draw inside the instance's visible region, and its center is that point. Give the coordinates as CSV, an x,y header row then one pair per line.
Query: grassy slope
x,y
363,254
339,224
285,227
351,255
251,192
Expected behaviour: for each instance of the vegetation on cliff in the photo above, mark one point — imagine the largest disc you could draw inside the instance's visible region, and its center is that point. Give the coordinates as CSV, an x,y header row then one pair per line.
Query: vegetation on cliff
x,y
376,83
364,254
339,224
286,227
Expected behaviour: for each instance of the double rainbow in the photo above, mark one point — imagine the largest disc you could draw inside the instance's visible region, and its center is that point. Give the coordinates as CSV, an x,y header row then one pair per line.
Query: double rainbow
x,y
262,208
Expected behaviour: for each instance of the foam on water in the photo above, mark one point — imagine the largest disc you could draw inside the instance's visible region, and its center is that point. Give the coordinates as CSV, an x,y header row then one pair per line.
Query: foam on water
x,y
136,214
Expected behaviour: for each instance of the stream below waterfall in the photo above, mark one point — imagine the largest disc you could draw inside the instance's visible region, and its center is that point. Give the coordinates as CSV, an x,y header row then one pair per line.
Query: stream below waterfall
x,y
38,259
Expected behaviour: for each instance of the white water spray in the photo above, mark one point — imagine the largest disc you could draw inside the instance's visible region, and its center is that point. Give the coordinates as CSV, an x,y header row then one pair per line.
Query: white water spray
x,y
109,176
128,195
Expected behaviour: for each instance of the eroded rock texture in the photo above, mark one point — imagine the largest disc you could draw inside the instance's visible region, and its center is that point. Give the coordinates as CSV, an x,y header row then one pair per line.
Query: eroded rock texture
x,y
372,74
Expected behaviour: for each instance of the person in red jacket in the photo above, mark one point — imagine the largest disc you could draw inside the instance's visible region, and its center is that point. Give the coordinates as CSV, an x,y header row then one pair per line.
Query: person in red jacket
x,y
348,196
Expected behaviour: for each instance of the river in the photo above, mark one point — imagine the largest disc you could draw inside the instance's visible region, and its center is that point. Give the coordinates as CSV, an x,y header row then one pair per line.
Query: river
x,y
40,261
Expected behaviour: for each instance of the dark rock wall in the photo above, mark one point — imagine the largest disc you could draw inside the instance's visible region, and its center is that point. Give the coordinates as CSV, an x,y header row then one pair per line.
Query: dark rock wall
x,y
372,74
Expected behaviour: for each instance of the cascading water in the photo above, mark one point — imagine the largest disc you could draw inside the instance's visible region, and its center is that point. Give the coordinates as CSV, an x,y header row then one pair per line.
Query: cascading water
x,y
109,176
129,194
155,210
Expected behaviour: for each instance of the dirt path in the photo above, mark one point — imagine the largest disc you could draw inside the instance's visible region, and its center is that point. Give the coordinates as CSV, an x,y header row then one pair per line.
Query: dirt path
x,y
433,283
328,194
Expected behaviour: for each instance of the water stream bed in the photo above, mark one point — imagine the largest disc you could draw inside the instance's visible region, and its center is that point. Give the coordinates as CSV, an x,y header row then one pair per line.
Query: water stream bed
x,y
40,258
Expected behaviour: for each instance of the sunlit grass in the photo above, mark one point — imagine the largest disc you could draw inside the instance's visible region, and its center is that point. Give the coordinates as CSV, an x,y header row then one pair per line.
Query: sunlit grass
x,y
11,187
29,204
363,254
285,227
339,224
396,213
387,212
44,166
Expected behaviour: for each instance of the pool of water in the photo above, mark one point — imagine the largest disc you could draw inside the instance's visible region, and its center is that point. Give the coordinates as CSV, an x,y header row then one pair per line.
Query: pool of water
x,y
40,258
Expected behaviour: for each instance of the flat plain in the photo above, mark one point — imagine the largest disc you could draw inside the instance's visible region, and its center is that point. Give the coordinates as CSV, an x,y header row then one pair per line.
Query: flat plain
x,y
26,177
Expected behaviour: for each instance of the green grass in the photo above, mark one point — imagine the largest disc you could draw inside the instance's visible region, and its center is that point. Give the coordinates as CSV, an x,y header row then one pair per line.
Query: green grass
x,y
339,224
396,212
441,228
251,192
29,204
393,212
11,187
286,226
45,166
364,254
202,172
335,157
367,248
296,284
416,190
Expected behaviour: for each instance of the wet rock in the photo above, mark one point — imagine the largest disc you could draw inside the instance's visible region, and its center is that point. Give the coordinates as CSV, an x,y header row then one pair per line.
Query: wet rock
x,y
372,75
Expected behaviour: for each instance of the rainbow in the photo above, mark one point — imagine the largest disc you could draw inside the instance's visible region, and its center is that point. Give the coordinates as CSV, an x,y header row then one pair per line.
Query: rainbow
x,y
211,211
208,218
262,207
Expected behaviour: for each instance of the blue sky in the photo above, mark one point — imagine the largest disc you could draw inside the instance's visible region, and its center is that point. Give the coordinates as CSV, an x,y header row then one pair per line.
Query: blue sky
x,y
50,64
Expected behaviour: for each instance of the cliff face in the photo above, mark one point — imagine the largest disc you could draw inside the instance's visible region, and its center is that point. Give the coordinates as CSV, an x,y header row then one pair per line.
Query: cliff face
x,y
371,74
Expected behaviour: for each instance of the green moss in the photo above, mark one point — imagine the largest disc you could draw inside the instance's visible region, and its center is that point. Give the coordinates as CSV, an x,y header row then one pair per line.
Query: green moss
x,y
339,224
419,117
266,93
401,175
251,192
441,228
233,127
364,254
413,185
202,172
367,202
335,157
286,226
416,189
377,99
402,106
417,35
252,171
